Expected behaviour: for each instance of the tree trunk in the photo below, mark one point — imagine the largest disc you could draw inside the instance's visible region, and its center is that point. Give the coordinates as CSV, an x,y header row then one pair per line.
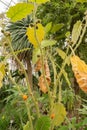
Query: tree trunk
x,y
29,71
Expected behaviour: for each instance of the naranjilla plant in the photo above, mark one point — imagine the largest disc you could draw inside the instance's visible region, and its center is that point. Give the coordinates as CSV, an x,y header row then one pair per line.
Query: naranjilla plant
x,y
43,102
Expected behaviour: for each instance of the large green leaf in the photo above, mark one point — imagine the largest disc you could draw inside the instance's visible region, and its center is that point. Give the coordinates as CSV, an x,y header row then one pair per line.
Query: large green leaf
x,y
46,43
19,11
60,114
76,31
43,123
39,1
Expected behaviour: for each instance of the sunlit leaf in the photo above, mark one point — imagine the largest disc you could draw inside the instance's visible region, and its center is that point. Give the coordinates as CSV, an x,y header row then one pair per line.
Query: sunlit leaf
x,y
46,43
60,114
76,31
39,1
19,11
39,31
82,1
43,123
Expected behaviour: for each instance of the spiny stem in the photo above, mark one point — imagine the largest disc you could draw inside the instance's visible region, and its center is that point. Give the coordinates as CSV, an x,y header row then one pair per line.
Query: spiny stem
x,y
42,54
22,66
27,105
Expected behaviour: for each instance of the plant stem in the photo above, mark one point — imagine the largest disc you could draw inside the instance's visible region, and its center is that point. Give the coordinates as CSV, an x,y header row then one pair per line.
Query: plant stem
x,y
28,85
42,54
55,75
29,114
27,105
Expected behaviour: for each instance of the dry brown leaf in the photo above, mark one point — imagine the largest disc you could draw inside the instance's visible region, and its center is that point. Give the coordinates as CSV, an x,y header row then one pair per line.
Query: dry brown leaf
x,y
38,65
42,85
80,71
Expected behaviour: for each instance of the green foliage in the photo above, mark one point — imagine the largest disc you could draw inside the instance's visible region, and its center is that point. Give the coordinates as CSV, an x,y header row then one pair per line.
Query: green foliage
x,y
19,11
43,123
68,99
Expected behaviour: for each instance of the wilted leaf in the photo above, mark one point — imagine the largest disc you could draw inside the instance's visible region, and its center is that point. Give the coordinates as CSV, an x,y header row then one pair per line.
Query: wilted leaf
x,y
46,43
39,34
39,1
42,82
76,31
19,11
43,123
60,114
56,27
38,65
79,68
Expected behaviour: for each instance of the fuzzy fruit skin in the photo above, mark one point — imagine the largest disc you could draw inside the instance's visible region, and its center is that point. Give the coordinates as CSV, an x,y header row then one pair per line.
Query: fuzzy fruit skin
x,y
52,116
24,97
